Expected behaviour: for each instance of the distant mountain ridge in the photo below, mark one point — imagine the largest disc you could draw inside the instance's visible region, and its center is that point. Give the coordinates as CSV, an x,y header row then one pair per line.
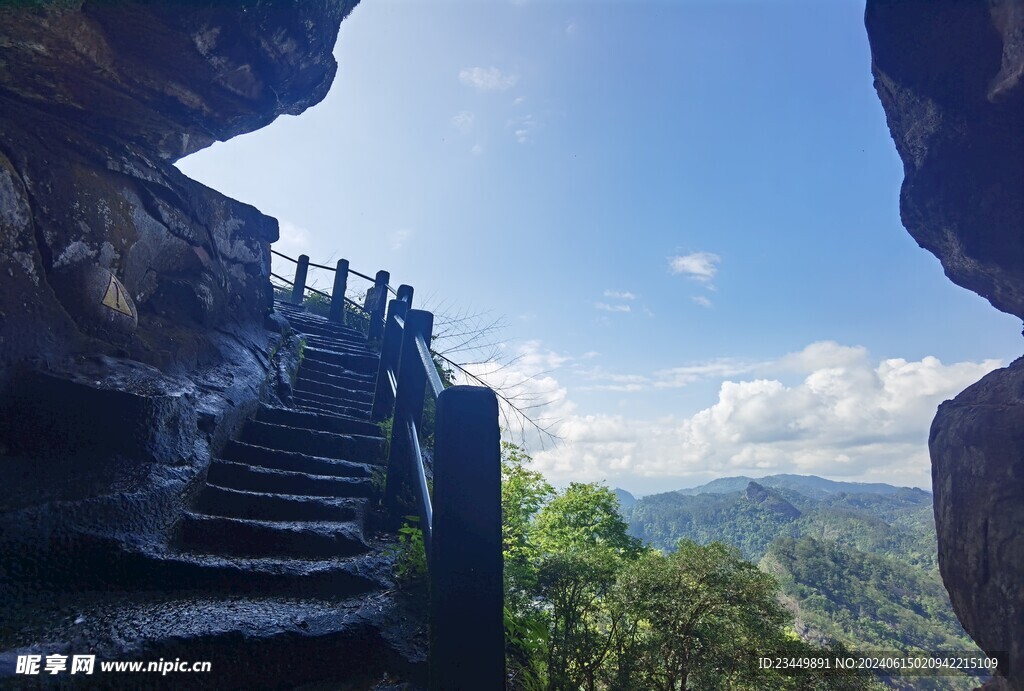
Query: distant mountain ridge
x,y
809,485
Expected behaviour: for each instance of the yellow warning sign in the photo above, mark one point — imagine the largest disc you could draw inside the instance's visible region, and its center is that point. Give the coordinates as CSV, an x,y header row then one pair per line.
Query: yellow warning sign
x,y
115,298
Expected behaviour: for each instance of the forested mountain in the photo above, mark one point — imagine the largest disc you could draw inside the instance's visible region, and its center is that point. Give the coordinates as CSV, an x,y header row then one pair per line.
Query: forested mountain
x,y
856,562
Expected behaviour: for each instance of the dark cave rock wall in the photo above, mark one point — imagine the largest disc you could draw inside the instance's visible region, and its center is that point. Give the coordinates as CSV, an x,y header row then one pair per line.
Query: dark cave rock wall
x,y
97,99
950,75
133,299
976,446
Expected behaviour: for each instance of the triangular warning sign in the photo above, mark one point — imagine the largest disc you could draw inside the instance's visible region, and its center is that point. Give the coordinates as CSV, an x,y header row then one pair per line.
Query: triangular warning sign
x,y
115,298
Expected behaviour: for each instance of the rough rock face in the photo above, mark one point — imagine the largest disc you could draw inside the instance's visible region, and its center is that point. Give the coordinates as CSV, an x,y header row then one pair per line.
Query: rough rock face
x,y
950,76
133,299
978,473
96,102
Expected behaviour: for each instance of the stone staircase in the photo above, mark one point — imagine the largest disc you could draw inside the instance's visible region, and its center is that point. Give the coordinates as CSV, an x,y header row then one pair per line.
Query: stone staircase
x,y
273,575
296,482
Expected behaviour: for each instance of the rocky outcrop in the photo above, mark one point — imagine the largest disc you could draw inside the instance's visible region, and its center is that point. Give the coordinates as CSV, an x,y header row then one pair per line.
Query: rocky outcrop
x,y
950,76
977,446
133,300
105,248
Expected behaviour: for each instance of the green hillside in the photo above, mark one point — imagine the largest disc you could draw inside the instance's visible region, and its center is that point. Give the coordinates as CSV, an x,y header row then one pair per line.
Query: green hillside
x,y
856,562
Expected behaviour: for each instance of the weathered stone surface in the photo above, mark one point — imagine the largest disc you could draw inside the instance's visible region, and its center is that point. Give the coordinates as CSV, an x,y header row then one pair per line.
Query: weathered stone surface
x,y
107,421
96,102
949,75
978,478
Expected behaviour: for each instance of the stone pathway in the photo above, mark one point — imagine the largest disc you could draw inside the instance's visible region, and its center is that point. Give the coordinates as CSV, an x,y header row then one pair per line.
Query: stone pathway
x,y
297,481
274,575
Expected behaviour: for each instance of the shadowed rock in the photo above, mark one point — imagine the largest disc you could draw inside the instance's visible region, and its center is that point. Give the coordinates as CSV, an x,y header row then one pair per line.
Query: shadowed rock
x,y
948,74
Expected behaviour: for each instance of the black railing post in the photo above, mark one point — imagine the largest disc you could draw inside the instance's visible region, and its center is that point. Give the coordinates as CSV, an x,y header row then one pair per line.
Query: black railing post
x,y
412,382
467,636
404,294
299,286
383,398
380,300
337,314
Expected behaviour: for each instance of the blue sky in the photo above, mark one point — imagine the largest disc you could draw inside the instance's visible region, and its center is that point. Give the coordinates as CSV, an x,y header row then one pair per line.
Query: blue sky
x,y
687,213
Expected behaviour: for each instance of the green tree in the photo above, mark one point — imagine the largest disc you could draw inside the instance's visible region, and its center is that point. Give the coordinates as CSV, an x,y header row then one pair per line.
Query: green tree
x,y
523,493
704,615
583,545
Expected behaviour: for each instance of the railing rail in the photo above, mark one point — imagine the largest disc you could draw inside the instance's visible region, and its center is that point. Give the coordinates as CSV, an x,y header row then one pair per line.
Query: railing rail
x,y
461,521
376,297
460,510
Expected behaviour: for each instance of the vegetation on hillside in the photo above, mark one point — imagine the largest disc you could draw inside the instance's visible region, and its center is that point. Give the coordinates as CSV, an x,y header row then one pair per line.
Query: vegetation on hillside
x,y
587,606
856,568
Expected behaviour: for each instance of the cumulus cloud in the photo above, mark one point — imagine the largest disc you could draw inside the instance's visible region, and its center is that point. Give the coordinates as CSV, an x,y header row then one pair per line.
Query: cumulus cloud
x,y
700,266
702,301
523,376
487,78
844,416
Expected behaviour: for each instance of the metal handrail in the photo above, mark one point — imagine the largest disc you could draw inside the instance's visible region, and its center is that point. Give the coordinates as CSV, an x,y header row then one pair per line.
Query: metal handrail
x,y
436,385
426,509
375,312
328,268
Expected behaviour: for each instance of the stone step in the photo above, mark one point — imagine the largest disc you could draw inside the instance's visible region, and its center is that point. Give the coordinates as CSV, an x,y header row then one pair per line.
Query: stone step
x,y
306,317
238,575
364,364
246,478
250,538
327,389
365,385
349,447
357,409
252,641
221,501
345,344
327,330
275,459
317,367
324,423
312,406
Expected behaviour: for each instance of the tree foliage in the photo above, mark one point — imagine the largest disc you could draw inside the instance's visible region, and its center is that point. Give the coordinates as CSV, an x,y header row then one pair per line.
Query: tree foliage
x,y
588,607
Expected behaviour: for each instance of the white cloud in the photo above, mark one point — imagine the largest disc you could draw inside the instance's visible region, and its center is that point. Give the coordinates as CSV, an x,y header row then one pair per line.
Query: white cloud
x,y
487,78
526,380
523,127
615,295
700,266
464,121
846,417
678,377
476,150
570,29
611,308
519,100
399,237
702,301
